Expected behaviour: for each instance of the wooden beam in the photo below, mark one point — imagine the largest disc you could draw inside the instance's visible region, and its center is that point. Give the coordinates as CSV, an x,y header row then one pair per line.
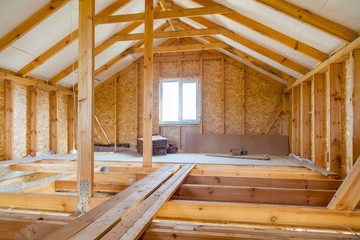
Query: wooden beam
x,y
335,78
54,121
272,119
137,76
223,95
259,214
295,118
116,111
348,195
252,45
31,23
312,19
33,121
29,82
305,120
261,195
66,41
317,95
86,101
201,96
9,119
100,131
323,67
174,34
70,186
190,12
148,83
355,70
243,106
71,123
269,32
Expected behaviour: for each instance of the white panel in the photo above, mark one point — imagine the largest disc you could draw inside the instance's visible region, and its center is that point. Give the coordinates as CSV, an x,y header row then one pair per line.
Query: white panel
x,y
15,12
69,80
112,52
13,59
116,68
46,71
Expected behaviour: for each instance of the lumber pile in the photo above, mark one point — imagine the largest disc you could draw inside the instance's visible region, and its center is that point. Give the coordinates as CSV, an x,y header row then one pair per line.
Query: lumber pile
x,y
159,145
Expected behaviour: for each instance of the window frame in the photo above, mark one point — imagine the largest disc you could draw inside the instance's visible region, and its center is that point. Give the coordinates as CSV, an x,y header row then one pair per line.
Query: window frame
x,y
181,81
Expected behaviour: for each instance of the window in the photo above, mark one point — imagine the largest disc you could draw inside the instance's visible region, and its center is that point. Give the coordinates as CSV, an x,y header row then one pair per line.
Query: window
x,y
179,101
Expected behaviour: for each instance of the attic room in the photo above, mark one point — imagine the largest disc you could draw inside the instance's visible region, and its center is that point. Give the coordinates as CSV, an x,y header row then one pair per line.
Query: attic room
x,y
169,119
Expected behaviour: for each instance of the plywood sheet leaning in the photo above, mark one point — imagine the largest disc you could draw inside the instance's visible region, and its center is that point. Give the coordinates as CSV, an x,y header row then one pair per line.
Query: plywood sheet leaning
x,y
185,131
212,107
127,108
62,123
2,119
43,121
104,110
261,100
233,99
20,120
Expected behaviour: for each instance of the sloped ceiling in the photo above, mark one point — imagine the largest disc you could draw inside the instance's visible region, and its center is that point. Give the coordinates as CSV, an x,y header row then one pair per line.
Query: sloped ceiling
x,y
65,20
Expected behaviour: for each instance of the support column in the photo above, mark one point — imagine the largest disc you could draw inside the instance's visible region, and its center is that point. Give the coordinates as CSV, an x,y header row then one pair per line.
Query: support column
x,y
53,121
355,65
305,108
33,120
85,167
71,123
148,83
9,120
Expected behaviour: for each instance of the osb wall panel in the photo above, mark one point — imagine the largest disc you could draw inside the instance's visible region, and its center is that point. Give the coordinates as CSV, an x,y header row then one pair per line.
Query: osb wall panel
x,y
105,111
127,108
20,120
261,99
2,120
233,98
187,130
191,68
212,107
168,69
62,123
43,121
172,134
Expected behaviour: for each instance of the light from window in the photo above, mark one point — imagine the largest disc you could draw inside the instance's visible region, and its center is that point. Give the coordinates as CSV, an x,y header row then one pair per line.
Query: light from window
x,y
179,101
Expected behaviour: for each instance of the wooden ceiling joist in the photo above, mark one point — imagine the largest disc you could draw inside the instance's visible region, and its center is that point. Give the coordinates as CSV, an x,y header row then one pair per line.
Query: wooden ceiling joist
x,y
312,19
165,8
190,12
66,41
31,23
269,32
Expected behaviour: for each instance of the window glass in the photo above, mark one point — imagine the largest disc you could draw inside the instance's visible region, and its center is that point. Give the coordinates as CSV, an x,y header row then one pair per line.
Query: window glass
x,y
170,101
189,101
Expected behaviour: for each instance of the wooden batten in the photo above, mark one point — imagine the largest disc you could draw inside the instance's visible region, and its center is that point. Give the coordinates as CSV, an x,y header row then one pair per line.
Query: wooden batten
x,y
33,121
223,94
305,116
54,121
243,112
317,120
71,123
86,100
295,113
355,70
9,119
148,83
201,96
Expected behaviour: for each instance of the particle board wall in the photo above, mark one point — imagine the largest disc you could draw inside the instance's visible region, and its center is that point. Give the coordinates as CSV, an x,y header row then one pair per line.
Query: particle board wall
x,y
43,127
20,120
62,123
261,99
2,120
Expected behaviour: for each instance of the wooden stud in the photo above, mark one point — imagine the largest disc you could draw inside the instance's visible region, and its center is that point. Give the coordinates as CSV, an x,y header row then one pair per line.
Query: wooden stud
x,y
295,112
355,69
335,75
223,95
285,115
243,92
201,96
137,98
86,97
116,105
272,119
30,23
54,121
33,120
71,123
148,83
9,119
305,120
317,119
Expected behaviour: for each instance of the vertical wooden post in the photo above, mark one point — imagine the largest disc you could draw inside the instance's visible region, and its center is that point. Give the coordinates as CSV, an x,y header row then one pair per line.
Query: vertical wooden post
x,y
85,167
137,99
71,123
53,121
243,116
335,117
285,115
148,83
295,112
305,108
33,120
116,82
201,95
223,94
9,120
317,94
355,70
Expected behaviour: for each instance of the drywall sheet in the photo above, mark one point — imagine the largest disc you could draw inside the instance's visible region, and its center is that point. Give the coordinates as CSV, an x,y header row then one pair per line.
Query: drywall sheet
x,y
253,144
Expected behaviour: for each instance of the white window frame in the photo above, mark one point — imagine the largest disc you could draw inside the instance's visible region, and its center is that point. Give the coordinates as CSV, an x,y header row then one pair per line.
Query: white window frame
x,y
181,81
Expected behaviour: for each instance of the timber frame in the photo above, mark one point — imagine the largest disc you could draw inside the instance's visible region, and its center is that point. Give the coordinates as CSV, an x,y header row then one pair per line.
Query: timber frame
x,y
150,200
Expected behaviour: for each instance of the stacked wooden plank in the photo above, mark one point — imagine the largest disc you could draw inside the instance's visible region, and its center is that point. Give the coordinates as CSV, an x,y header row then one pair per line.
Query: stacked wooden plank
x,y
129,212
159,145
